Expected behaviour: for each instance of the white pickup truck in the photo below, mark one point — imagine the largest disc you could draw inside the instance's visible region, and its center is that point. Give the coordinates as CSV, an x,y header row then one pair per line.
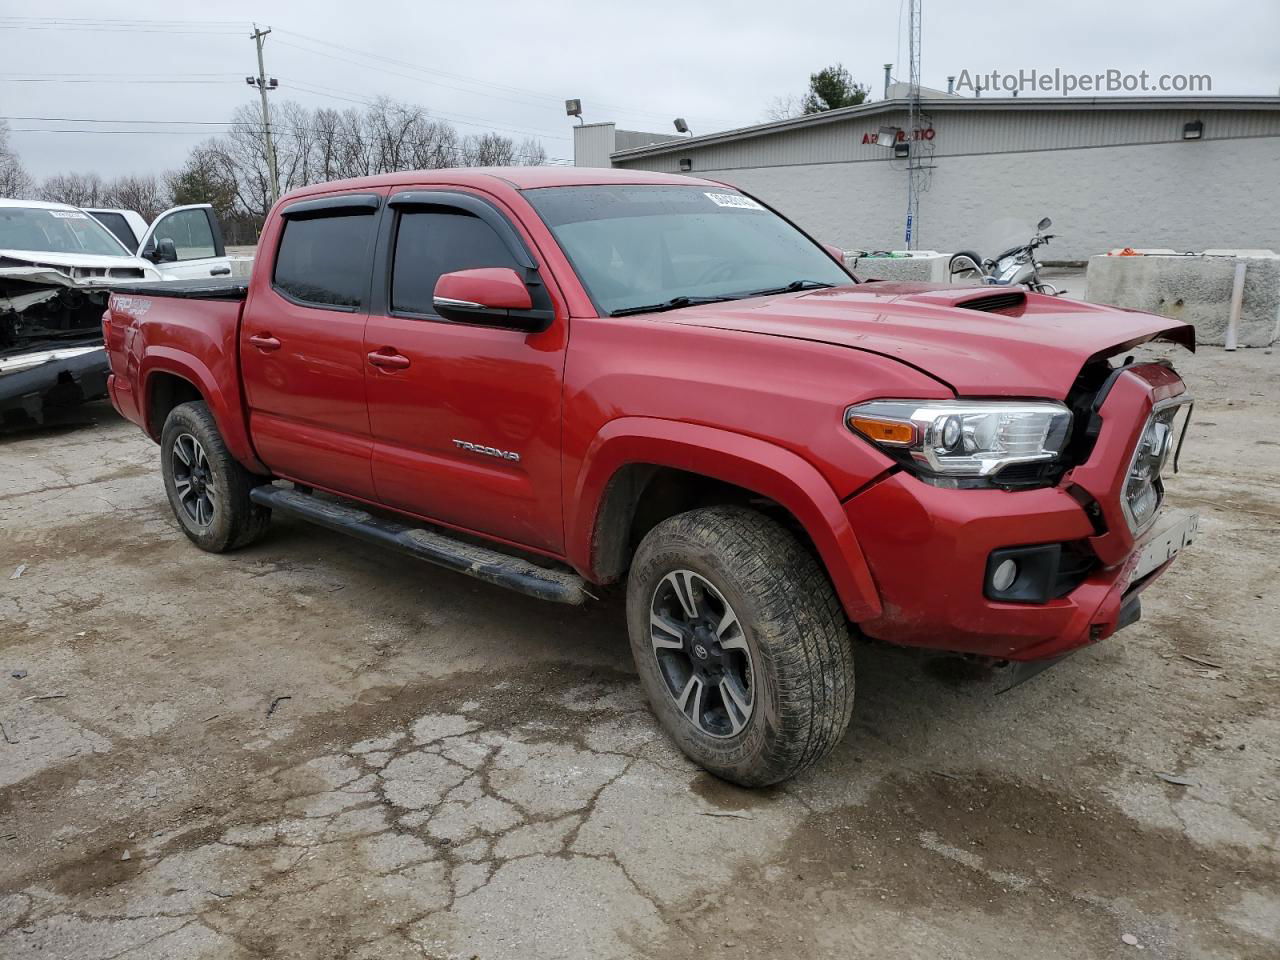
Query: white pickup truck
x,y
183,243
56,265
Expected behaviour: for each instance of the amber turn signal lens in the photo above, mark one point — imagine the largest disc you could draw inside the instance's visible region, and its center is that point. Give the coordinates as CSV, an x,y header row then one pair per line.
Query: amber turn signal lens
x,y
884,431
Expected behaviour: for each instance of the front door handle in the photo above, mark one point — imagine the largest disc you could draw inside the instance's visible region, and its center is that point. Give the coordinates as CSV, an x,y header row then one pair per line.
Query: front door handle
x,y
220,272
265,342
388,359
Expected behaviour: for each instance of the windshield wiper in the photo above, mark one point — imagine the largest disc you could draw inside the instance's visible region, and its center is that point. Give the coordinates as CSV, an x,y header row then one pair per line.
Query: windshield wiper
x,y
675,303
793,287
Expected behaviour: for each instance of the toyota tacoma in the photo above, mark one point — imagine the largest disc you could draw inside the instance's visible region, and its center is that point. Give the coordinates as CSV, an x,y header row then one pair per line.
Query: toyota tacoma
x,y
552,379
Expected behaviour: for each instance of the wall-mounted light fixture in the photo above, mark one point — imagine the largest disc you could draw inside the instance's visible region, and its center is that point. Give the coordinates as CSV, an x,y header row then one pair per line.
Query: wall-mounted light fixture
x,y
887,136
573,108
685,164
902,149
682,127
1193,130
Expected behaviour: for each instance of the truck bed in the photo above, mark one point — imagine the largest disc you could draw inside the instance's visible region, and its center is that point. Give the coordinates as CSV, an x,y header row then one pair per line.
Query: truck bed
x,y
201,288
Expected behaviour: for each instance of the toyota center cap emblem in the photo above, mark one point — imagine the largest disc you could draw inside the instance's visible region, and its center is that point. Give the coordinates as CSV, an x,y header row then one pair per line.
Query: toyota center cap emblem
x,y
700,651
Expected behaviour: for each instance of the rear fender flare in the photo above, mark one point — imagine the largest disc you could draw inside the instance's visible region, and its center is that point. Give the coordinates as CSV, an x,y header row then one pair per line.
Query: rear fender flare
x,y
747,462
227,411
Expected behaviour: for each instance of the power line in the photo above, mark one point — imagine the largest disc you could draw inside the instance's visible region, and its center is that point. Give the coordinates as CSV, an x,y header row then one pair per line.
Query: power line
x,y
179,26
227,123
129,20
463,118
96,76
519,91
494,90
295,134
63,80
189,123
64,29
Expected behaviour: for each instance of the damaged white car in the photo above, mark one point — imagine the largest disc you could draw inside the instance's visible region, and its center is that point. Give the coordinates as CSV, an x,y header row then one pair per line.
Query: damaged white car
x,y
57,266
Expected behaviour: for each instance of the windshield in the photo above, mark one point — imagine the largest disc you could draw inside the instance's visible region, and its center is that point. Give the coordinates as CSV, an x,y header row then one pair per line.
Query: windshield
x,y
56,231
648,245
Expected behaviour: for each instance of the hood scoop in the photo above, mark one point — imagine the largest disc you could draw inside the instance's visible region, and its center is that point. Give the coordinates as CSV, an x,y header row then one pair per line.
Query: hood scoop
x,y
1007,301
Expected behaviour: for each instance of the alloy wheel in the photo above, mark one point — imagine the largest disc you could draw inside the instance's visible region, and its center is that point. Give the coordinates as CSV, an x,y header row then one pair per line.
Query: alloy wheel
x,y
702,653
193,480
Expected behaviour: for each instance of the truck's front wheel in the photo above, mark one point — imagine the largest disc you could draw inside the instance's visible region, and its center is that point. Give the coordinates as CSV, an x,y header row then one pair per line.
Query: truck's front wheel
x,y
741,644
208,488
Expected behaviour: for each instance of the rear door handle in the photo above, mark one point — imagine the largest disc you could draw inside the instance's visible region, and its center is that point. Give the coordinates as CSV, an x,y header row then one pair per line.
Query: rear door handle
x,y
220,272
388,359
264,342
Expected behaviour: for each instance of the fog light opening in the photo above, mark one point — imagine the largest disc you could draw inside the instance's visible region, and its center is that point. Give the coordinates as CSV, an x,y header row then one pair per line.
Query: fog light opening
x,y
1003,576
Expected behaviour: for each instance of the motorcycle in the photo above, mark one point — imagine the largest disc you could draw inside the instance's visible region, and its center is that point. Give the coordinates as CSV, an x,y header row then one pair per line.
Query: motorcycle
x,y
1017,265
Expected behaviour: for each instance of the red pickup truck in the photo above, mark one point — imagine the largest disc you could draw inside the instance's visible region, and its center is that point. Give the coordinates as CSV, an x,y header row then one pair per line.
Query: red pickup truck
x,y
551,378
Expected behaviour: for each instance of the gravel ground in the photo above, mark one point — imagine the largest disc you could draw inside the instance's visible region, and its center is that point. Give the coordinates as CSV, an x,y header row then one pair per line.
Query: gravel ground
x,y
314,749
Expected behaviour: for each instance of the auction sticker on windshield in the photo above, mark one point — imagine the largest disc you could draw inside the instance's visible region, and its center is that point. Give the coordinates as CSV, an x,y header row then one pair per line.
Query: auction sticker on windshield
x,y
69,214
733,200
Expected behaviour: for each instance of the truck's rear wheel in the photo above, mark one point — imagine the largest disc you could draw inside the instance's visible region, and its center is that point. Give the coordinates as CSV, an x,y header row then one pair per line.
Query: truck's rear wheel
x,y
740,643
208,488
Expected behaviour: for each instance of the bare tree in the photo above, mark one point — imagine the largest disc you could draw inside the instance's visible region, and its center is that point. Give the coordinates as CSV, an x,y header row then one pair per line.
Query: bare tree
x,y
784,108
316,146
77,189
14,182
146,194
531,153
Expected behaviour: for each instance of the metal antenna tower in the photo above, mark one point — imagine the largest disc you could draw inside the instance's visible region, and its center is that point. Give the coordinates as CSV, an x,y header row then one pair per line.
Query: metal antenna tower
x,y
917,175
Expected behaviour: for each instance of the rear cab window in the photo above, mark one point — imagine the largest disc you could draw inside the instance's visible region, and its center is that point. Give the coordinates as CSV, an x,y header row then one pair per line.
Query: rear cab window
x,y
323,258
119,226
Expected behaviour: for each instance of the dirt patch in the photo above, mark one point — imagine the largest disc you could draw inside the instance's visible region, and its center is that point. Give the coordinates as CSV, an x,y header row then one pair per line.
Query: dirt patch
x,y
1004,850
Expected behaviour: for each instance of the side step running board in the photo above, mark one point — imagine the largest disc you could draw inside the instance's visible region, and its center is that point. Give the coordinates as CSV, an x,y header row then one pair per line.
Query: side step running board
x,y
482,563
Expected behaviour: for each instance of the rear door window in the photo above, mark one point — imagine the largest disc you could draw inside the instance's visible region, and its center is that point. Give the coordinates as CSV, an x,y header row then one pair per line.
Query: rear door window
x,y
324,260
435,240
117,224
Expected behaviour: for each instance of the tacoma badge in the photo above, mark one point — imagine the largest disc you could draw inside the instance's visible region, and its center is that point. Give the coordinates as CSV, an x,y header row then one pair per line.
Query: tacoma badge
x,y
488,451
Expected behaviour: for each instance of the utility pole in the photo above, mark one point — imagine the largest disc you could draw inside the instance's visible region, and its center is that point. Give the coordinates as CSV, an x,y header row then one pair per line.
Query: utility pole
x,y
263,85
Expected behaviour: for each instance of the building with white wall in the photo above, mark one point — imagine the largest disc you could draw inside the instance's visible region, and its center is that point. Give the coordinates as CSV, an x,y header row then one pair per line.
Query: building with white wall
x,y
1186,173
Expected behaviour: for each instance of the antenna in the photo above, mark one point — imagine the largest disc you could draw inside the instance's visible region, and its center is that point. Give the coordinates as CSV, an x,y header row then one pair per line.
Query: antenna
x,y
916,173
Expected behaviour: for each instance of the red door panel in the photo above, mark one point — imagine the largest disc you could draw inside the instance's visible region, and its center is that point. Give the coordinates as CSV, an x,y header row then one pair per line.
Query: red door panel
x,y
487,388
302,343
307,410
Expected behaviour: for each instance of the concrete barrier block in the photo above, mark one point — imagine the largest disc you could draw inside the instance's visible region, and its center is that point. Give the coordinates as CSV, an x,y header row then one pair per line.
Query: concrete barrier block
x,y
1195,289
925,266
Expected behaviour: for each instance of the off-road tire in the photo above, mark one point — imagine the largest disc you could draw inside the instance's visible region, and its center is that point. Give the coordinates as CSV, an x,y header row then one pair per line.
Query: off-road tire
x,y
793,625
236,521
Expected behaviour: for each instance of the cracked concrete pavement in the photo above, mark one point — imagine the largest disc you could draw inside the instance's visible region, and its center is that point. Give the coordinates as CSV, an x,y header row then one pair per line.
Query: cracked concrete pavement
x,y
314,749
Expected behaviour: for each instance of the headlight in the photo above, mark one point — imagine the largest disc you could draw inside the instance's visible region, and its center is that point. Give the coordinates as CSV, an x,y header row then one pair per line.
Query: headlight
x,y
1143,489
964,438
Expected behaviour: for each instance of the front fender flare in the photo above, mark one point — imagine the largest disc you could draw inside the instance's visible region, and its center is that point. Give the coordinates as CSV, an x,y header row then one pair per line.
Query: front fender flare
x,y
756,465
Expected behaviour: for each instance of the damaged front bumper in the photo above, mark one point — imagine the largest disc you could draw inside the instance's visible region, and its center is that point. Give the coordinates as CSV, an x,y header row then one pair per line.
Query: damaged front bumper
x,y
31,383
51,350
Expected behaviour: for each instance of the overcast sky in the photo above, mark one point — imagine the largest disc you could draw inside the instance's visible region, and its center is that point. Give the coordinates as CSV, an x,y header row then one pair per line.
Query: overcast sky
x,y
509,66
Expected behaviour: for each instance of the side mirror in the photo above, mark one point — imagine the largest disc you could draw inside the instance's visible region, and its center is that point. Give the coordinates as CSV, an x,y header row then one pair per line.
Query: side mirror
x,y
495,296
836,253
164,251
1044,224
